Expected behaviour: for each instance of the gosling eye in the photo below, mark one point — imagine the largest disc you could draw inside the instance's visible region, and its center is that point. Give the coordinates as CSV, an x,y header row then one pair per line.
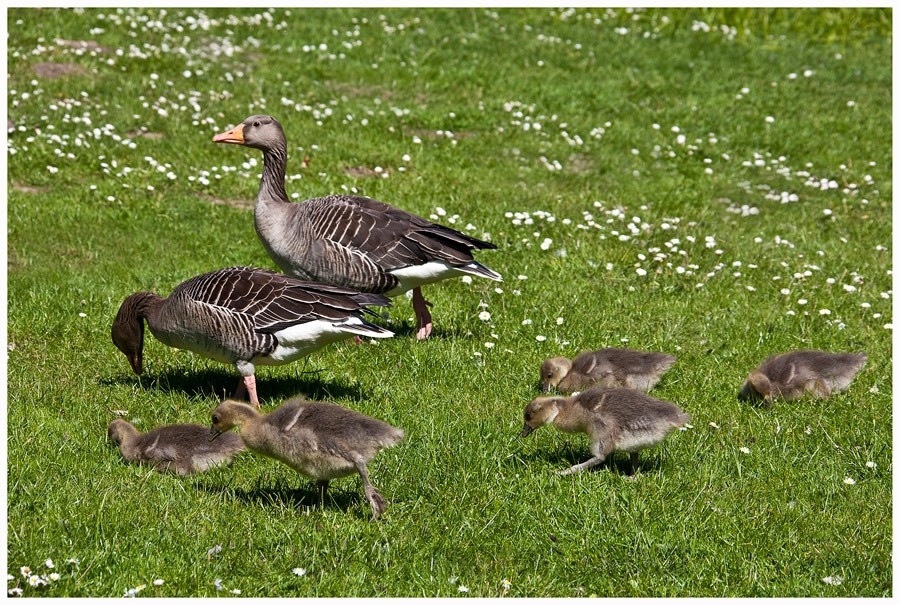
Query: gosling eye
x,y
215,419
527,416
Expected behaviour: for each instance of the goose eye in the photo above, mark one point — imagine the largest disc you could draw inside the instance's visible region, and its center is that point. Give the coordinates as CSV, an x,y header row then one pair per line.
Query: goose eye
x,y
256,123
527,416
215,419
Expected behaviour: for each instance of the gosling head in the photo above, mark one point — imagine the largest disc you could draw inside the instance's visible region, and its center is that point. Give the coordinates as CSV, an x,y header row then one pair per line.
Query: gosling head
x,y
539,412
119,429
259,132
757,388
229,414
553,371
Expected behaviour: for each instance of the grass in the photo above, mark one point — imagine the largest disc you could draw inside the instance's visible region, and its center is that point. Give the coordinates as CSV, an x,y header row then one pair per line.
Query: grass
x,y
646,209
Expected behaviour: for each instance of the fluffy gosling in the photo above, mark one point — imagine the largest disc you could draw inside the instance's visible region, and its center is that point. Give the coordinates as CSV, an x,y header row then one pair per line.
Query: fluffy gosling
x,y
610,367
321,440
615,419
179,448
790,375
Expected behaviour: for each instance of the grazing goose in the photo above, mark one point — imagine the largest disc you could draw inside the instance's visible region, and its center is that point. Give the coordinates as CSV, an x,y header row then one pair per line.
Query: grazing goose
x,y
607,367
351,241
245,316
789,375
615,419
179,448
318,439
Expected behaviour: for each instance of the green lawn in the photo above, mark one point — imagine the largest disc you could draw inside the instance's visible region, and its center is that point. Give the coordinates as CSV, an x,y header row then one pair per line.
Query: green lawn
x,y
711,183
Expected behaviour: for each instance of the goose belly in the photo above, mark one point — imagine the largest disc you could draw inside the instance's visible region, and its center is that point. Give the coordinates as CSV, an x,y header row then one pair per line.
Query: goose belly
x,y
197,343
302,339
420,275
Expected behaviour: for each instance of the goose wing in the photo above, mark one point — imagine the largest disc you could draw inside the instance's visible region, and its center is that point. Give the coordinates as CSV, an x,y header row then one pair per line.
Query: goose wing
x,y
390,237
267,301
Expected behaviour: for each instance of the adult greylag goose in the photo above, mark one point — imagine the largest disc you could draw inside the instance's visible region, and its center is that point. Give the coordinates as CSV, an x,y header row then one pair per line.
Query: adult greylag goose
x,y
615,419
349,240
610,367
179,448
245,316
790,375
318,439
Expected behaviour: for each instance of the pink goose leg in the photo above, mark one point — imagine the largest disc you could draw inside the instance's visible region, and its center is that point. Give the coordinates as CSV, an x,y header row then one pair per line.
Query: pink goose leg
x,y
247,385
423,317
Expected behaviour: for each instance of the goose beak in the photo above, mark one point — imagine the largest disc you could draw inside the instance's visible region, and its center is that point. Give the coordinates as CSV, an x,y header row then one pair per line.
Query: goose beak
x,y
136,363
213,433
526,430
234,136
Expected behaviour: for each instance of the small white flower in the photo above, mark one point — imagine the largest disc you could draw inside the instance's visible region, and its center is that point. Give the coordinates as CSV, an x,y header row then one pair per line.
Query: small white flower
x,y
540,338
218,584
640,271
467,279
527,322
36,580
49,563
14,592
522,277
770,119
871,464
54,576
214,550
505,584
299,571
849,481
25,571
745,450
489,345
463,588
560,321
484,316
545,245
714,425
802,301
833,581
824,312
236,591
158,582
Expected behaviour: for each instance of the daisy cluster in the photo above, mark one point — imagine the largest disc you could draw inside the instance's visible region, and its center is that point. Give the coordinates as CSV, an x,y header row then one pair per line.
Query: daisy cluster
x,y
37,579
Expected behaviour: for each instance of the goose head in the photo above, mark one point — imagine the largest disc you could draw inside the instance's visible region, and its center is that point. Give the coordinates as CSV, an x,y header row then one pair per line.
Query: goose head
x,y
259,132
757,388
553,371
128,332
539,412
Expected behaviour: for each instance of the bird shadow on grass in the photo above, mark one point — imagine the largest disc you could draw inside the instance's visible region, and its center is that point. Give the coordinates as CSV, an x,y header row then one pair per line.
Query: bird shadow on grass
x,y
617,462
282,496
219,384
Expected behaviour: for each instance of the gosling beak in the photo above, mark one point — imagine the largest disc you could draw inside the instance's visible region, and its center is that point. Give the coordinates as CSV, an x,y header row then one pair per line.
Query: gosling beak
x,y
234,136
213,433
526,430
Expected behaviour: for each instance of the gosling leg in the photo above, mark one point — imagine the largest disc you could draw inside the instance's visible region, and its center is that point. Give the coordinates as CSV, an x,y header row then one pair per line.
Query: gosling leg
x,y
376,500
580,467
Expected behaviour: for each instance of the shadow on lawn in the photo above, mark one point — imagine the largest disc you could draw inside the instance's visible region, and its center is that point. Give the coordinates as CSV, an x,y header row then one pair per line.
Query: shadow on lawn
x,y
281,495
220,384
617,462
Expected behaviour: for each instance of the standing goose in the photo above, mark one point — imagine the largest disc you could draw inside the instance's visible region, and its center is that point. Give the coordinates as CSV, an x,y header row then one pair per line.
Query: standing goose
x,y
245,316
790,375
618,419
351,241
608,367
316,438
180,448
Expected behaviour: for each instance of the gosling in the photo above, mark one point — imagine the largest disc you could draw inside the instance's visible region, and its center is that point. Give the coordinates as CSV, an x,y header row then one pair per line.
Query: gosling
x,y
790,375
608,367
321,440
180,448
615,419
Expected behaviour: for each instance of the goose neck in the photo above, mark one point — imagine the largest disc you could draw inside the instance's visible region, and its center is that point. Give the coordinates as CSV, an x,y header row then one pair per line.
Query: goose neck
x,y
271,186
